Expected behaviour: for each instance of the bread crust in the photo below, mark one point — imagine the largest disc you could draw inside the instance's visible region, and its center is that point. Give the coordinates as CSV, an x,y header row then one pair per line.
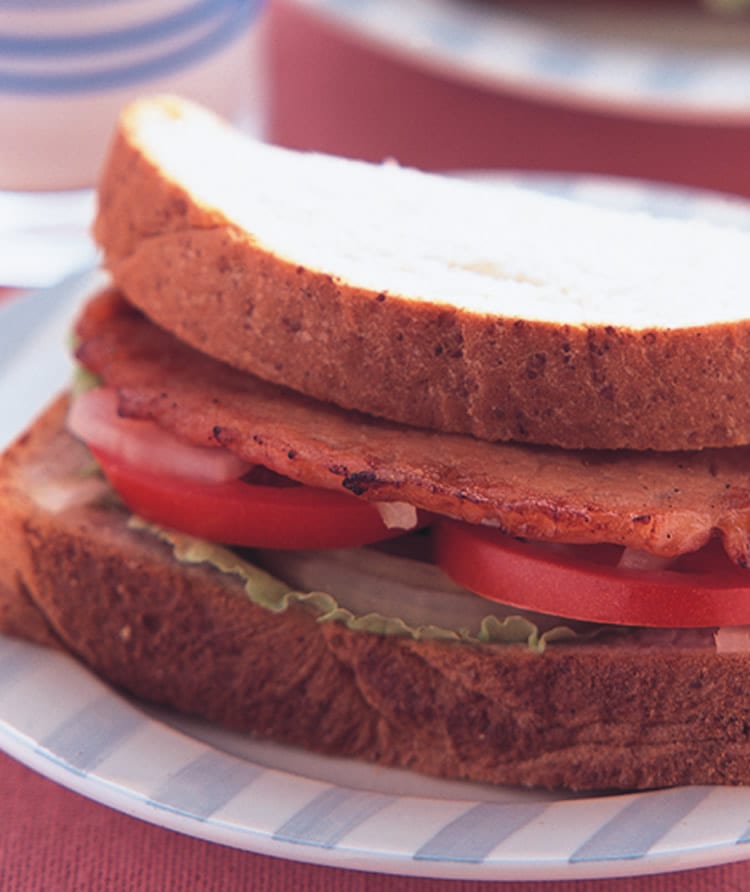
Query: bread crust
x,y
418,362
591,716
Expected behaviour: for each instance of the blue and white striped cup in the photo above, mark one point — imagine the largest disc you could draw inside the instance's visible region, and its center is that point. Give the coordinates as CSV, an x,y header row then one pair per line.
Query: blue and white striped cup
x,y
68,66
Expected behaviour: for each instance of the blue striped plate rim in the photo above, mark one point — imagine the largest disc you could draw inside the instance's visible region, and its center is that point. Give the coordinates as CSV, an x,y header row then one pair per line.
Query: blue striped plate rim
x,y
66,724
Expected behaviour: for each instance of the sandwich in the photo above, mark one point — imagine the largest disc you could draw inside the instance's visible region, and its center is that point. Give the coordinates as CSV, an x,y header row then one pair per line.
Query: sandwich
x,y
395,467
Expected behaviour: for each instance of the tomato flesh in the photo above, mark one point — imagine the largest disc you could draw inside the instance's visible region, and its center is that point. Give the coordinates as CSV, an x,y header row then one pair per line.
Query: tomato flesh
x,y
698,591
240,513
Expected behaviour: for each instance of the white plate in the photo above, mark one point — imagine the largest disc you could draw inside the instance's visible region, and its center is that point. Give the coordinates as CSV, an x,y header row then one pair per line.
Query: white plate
x,y
663,59
58,718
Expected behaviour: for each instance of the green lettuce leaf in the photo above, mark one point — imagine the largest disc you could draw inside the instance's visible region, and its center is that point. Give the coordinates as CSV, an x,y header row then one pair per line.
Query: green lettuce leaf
x,y
273,594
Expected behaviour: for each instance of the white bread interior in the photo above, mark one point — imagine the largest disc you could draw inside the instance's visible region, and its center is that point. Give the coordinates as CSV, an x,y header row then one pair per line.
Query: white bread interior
x,y
503,250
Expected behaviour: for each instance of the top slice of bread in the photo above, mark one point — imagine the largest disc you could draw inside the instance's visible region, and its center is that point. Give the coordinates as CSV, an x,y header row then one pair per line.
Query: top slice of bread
x,y
428,300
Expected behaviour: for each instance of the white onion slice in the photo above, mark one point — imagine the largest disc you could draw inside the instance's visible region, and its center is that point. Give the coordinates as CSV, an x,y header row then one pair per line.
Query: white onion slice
x,y
397,515
732,639
634,559
66,493
93,418
367,581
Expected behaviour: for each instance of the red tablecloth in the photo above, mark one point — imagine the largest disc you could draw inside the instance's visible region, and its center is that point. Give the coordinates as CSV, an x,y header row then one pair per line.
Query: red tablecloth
x,y
333,94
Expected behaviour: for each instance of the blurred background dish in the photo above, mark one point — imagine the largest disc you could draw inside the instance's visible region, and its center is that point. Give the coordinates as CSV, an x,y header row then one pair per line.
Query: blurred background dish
x,y
447,84
668,58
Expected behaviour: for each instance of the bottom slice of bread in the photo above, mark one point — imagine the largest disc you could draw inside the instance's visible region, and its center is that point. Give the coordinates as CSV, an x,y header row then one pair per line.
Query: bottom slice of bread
x,y
595,716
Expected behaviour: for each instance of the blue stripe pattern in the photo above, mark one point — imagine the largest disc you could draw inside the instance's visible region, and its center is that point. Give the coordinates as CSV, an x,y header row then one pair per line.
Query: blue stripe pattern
x,y
565,60
640,825
745,837
352,6
28,5
474,834
15,661
671,75
458,38
120,38
333,814
89,736
205,784
203,28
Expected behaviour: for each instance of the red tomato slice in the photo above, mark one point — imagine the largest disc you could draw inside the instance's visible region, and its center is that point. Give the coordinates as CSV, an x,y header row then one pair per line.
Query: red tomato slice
x,y
696,592
240,513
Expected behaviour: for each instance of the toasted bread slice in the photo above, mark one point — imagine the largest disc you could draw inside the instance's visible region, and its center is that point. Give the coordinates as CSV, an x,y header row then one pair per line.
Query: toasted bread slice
x,y
584,716
426,300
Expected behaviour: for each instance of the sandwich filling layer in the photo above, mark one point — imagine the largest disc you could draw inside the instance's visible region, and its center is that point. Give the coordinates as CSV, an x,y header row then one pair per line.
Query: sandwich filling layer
x,y
200,406
663,504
